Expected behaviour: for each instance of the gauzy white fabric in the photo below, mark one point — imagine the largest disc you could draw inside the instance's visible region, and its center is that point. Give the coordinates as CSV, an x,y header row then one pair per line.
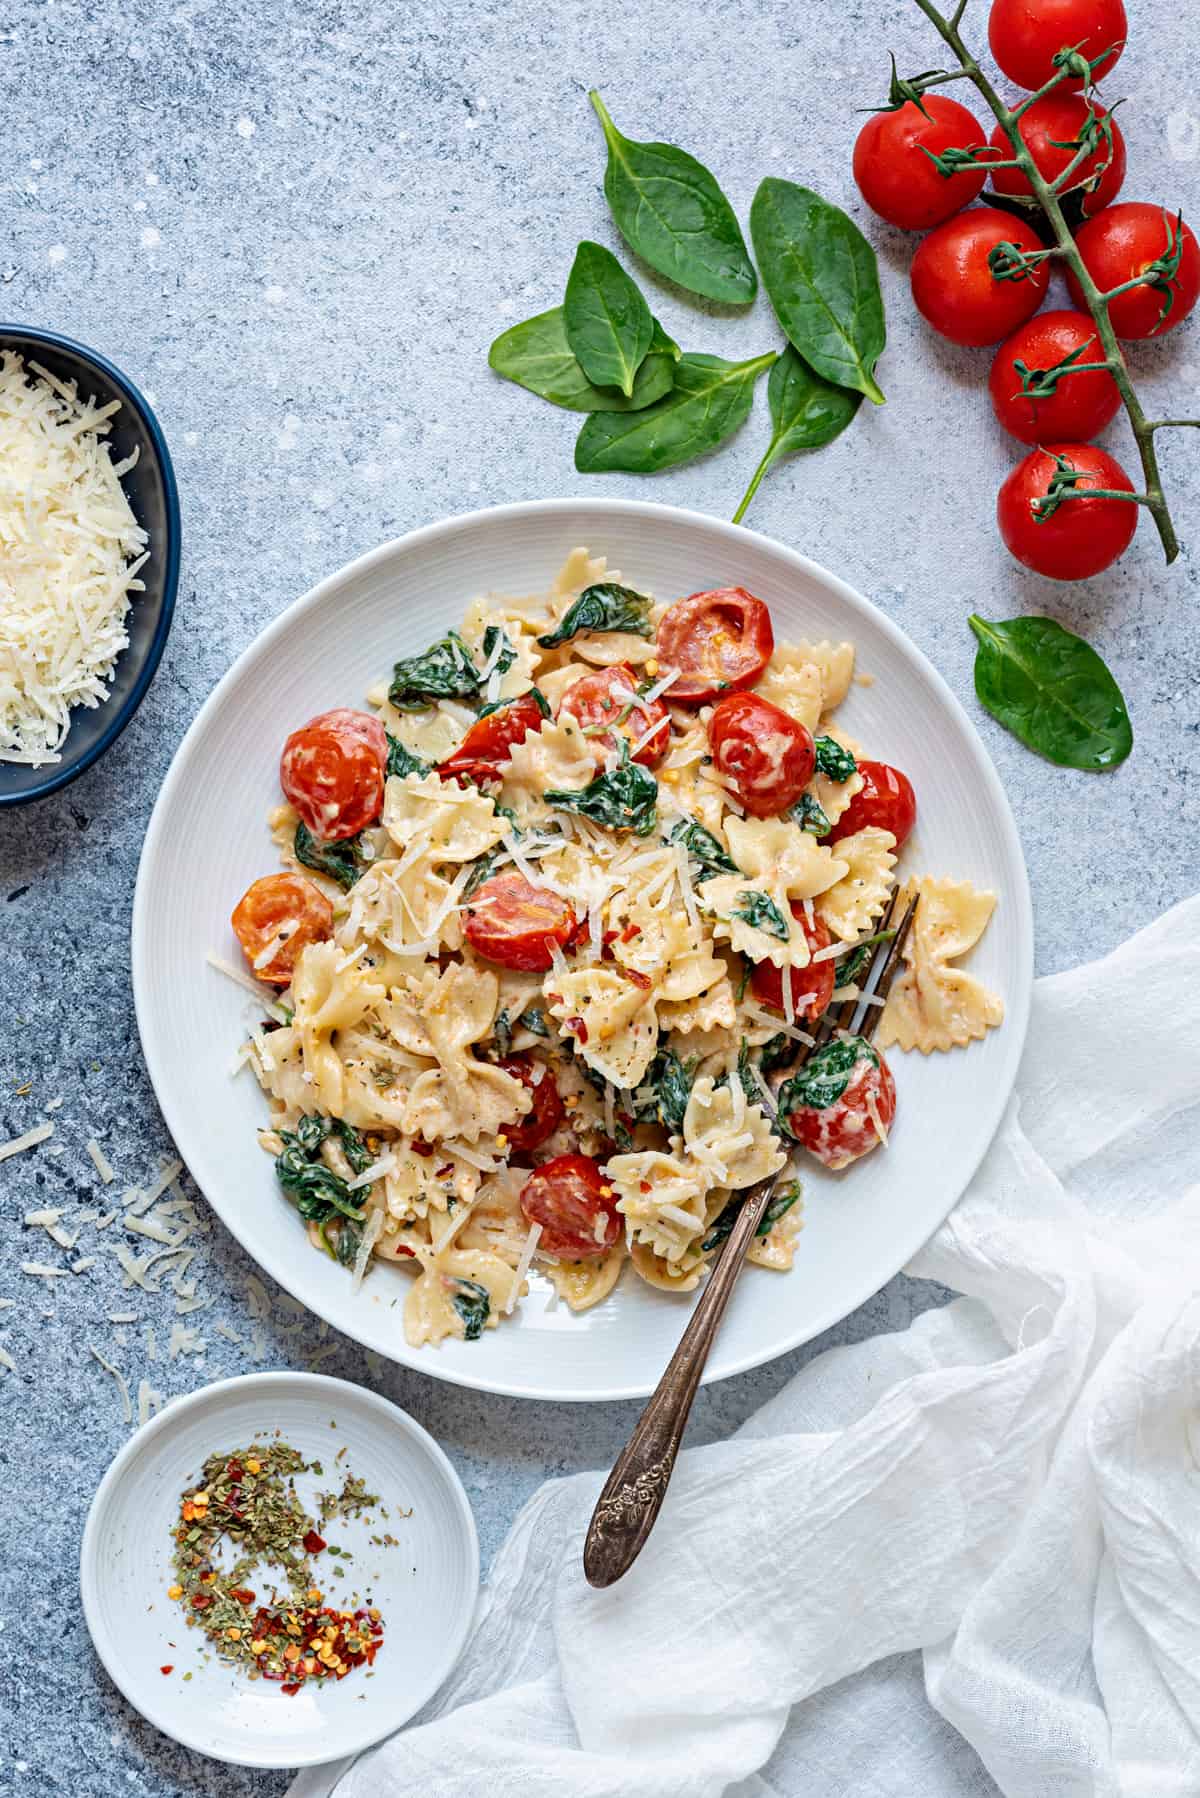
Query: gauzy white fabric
x,y
1010,1487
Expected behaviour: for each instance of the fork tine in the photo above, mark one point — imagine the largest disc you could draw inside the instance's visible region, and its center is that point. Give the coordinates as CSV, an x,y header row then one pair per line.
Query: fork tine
x,y
890,969
842,1019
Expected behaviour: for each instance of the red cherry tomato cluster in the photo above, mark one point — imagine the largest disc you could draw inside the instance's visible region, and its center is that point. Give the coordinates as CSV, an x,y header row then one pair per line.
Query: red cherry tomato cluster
x,y
981,274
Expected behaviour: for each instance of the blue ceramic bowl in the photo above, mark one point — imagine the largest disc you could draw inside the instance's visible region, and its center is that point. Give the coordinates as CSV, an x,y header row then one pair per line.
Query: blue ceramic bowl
x,y
150,488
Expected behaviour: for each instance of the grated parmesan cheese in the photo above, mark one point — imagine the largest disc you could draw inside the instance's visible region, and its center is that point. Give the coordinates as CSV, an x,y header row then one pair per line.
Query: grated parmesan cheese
x,y
17,1145
7,1362
102,1164
119,1377
522,1268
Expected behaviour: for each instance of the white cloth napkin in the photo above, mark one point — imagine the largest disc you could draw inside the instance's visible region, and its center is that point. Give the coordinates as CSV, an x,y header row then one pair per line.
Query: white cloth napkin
x,y
1009,1489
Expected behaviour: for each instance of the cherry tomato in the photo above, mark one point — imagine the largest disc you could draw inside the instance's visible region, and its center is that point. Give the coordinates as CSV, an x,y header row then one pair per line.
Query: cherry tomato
x,y
767,757
1024,35
840,1133
895,176
812,987
1124,242
531,1130
575,1205
491,740
1082,536
273,904
1050,128
954,287
609,696
885,800
333,772
721,641
512,922
1080,405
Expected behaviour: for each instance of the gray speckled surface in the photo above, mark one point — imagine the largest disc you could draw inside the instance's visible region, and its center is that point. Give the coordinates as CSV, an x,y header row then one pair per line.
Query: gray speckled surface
x,y
298,229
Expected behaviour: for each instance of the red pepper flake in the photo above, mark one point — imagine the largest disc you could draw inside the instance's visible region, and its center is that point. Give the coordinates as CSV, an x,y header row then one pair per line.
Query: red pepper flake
x,y
201,1601
630,931
313,1544
243,1594
292,1687
169,1668
421,1148
446,1169
578,1028
642,981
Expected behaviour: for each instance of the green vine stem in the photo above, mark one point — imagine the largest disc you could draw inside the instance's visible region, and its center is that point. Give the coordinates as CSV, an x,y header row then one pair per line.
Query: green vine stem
x,y
1046,194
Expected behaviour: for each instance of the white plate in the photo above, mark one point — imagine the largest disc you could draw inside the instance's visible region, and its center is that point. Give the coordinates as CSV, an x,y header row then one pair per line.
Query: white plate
x,y
208,840
425,1588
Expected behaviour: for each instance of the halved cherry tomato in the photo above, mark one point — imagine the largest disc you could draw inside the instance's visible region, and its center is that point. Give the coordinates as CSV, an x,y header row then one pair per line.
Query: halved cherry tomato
x,y
609,697
1050,129
840,1133
1025,34
1082,536
720,641
490,741
576,1207
1080,405
766,756
895,176
512,922
812,987
953,284
885,800
544,1116
273,904
1128,240
333,772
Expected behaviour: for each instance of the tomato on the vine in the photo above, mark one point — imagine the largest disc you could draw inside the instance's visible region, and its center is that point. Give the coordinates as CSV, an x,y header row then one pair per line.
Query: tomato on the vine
x,y
1075,406
811,987
763,753
609,697
1051,129
885,801
1077,537
332,770
954,285
575,1203
720,642
1025,35
283,913
895,176
1133,240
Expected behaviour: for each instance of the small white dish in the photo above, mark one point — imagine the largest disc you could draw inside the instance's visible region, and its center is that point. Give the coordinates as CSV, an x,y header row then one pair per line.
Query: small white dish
x,y
425,1587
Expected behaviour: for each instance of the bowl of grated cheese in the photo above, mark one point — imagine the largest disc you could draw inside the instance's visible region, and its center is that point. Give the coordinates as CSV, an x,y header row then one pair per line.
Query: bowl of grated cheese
x,y
89,557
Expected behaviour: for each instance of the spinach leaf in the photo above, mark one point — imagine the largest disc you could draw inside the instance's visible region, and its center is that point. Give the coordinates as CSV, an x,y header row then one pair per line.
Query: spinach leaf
x,y
496,633
608,322
780,1203
761,911
749,1083
702,847
473,1304
401,760
534,1020
446,670
664,1093
316,1190
824,1077
481,870
778,1052
710,399
604,607
669,208
823,280
626,798
832,760
349,1239
502,1033
536,355
341,861
806,412
851,966
809,815
1051,689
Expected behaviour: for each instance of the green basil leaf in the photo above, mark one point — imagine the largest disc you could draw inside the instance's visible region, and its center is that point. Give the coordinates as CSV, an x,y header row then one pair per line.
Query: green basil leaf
x,y
824,1077
402,761
604,607
806,412
702,847
761,912
607,320
1051,689
536,355
832,760
669,208
710,399
823,280
626,798
341,861
473,1304
809,815
446,670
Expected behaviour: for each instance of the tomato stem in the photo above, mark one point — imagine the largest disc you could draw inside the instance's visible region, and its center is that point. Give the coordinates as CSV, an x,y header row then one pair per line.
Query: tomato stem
x,y
1072,64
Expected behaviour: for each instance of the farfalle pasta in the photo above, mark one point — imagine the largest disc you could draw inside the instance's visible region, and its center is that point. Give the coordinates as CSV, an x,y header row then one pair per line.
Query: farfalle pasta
x,y
557,921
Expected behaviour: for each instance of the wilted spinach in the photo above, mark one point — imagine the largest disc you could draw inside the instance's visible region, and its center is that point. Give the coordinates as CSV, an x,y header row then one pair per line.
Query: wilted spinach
x,y
810,816
760,911
473,1304
832,760
496,633
608,322
702,847
781,1203
778,1052
402,761
481,870
626,798
502,1034
852,966
824,1077
446,670
1052,691
316,1190
342,861
534,1020
664,1093
603,607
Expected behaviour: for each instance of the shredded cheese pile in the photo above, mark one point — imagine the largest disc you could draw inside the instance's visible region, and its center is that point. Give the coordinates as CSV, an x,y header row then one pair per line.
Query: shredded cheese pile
x,y
70,549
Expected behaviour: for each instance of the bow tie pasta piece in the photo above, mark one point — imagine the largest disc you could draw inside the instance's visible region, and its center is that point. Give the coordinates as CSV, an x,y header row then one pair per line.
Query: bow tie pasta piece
x,y
714,1009
667,949
619,1033
833,796
460,1292
729,1138
417,1183
934,1005
793,684
585,1283
581,569
774,848
496,1222
781,862
858,898
446,1013
329,997
669,1276
662,1196
834,663
399,906
521,632
556,757
604,649
457,824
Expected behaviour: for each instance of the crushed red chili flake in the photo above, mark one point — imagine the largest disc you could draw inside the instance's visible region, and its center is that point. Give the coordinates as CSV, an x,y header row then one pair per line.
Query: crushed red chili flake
x,y
630,931
577,1028
420,1148
169,1668
642,981
313,1543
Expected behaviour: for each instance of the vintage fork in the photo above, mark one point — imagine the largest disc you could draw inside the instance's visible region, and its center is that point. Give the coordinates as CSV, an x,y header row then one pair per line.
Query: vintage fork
x,y
628,1507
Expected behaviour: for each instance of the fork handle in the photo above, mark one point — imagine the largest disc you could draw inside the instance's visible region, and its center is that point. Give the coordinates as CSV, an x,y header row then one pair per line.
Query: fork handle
x,y
632,1497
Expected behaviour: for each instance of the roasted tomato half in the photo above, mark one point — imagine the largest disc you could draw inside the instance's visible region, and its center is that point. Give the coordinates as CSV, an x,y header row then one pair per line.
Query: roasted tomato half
x,y
489,743
546,1112
607,708
514,923
762,753
573,1201
333,771
285,910
811,987
720,642
885,800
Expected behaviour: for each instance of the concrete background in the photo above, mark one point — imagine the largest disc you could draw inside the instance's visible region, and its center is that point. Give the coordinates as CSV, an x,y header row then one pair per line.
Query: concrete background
x,y
298,228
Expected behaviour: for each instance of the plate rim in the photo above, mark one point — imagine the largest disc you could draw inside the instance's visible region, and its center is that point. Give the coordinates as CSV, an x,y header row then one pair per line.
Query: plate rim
x,y
1017,1003
319,1384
